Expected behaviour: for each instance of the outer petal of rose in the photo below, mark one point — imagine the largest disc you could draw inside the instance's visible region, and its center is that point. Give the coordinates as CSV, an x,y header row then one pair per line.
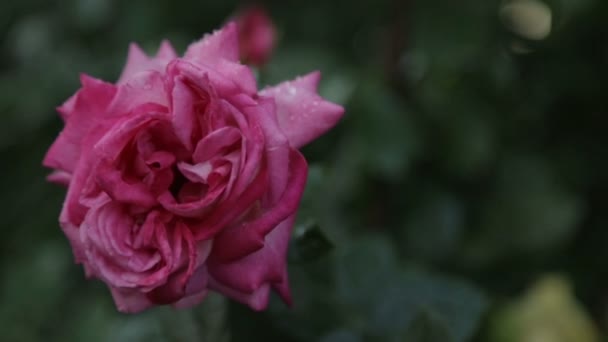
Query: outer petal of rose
x,y
138,61
243,278
67,107
143,87
166,51
60,177
257,299
82,113
238,241
190,301
302,113
221,44
130,301
72,232
196,288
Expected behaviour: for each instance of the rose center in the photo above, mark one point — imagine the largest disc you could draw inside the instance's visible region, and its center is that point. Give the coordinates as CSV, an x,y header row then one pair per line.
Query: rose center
x,y
184,190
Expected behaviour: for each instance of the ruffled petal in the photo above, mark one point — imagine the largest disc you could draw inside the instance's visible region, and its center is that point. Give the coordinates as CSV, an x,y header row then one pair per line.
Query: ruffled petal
x,y
228,78
247,237
277,149
108,151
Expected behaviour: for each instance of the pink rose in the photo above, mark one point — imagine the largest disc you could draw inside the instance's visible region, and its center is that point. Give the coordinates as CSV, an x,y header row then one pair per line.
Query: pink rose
x,y
257,35
183,177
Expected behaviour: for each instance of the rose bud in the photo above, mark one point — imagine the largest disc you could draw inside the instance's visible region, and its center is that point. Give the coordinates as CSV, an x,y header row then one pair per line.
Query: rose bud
x,y
257,35
183,177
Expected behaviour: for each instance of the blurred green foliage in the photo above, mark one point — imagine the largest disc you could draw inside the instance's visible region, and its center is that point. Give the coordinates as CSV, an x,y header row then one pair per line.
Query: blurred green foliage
x,y
470,163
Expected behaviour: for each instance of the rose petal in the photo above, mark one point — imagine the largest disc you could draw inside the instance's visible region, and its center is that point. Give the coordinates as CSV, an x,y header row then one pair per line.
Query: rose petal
x,y
257,300
244,278
215,142
109,149
138,61
231,208
142,88
303,115
190,301
83,112
166,51
130,301
221,44
190,278
276,148
228,78
249,236
60,177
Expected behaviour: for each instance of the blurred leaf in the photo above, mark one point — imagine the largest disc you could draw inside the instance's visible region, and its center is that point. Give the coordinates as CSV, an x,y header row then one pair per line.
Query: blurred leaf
x,y
433,229
383,136
341,336
547,312
381,298
529,210
31,288
457,304
425,327
308,242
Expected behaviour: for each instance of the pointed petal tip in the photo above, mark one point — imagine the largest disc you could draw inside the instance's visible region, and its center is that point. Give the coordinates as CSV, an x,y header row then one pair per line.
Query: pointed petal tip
x,y
309,81
136,54
259,298
230,27
136,50
302,113
84,79
284,292
166,50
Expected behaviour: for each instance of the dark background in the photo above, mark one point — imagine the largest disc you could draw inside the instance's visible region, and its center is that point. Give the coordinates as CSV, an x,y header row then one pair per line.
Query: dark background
x,y
461,198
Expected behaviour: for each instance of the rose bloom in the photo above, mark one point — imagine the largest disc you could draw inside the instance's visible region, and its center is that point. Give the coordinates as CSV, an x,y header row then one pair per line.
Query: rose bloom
x,y
183,178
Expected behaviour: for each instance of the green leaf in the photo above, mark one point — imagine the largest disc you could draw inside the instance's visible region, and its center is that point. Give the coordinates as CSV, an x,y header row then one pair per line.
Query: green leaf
x,y
427,327
341,336
384,136
458,304
308,243
435,225
380,297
